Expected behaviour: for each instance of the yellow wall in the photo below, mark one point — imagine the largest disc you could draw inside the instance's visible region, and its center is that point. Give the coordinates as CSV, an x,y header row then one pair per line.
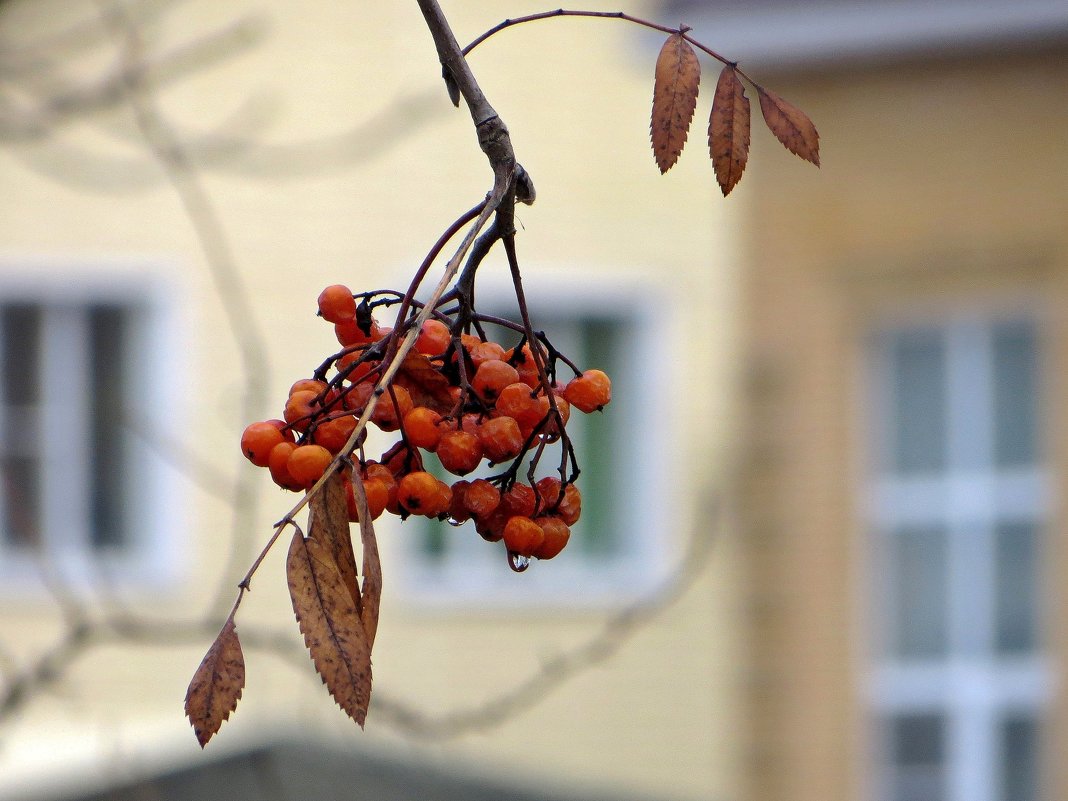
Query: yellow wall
x,y
658,718
942,188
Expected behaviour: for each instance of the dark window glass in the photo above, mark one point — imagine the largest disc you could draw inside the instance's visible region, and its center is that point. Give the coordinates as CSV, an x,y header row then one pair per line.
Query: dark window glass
x,y
108,388
917,745
1016,587
20,332
1019,759
918,570
1015,360
918,366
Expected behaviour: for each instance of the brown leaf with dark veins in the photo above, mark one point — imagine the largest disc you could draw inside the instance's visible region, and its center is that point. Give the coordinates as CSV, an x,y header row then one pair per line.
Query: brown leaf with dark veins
x,y
425,383
216,685
790,125
328,523
678,78
728,130
330,624
372,567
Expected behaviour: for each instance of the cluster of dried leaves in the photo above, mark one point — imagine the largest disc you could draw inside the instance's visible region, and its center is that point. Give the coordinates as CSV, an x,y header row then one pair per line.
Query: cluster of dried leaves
x,y
338,616
678,79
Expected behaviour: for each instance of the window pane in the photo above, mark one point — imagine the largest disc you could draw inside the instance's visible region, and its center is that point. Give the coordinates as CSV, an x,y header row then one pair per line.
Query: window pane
x,y
918,395
600,529
917,745
1016,588
1019,759
1015,394
918,587
108,386
20,331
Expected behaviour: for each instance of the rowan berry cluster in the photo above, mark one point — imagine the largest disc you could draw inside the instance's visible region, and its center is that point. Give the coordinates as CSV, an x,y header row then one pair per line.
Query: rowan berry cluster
x,y
458,395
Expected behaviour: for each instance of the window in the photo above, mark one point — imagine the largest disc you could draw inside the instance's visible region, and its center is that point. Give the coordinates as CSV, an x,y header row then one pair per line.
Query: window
x,y
957,512
81,493
617,548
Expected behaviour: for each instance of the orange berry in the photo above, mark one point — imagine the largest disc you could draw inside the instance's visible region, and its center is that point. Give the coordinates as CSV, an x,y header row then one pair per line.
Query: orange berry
x,y
566,505
481,498
375,491
516,400
333,434
354,398
522,535
301,407
491,377
307,463
590,391
518,500
258,439
418,492
433,339
556,533
458,511
336,303
459,452
525,365
355,367
486,351
287,432
501,438
348,333
278,462
570,508
387,415
421,426
308,385
491,528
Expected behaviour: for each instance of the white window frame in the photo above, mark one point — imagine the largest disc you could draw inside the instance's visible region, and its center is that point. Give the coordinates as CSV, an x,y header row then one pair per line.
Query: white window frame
x,y
155,515
649,504
972,687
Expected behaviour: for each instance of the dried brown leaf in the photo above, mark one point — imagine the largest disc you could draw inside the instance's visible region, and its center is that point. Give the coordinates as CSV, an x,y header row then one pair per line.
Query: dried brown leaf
x,y
728,130
790,125
372,567
328,523
678,78
216,685
330,624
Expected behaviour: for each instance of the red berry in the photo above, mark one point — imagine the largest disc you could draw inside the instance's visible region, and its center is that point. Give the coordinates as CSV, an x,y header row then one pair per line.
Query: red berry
x,y
492,377
433,339
522,535
307,463
481,498
387,414
301,407
459,452
556,534
278,462
590,391
421,426
333,434
501,438
257,441
337,304
422,494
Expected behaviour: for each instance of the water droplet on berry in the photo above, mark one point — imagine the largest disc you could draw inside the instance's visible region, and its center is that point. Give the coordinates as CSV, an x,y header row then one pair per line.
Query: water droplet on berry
x,y
452,521
517,562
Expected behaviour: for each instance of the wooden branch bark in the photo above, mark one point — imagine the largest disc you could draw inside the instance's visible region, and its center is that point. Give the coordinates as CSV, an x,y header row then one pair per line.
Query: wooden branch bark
x,y
493,136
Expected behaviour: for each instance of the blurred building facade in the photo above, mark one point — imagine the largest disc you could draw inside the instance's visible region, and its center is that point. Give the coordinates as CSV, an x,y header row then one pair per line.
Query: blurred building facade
x,y
904,330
